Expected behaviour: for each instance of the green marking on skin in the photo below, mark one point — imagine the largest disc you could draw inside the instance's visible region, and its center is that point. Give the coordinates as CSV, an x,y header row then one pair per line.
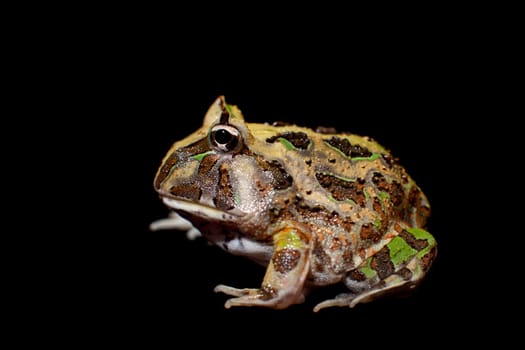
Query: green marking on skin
x,y
229,109
289,146
289,239
417,271
332,199
347,179
201,156
368,271
383,195
419,233
374,156
400,251
377,222
336,149
350,201
237,199
365,192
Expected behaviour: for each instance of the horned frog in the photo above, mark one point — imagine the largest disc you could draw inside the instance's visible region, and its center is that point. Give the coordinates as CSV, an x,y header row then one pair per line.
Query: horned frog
x,y
315,207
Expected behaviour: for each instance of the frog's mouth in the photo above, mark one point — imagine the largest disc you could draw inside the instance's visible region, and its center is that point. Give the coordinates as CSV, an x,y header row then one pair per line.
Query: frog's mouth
x,y
201,210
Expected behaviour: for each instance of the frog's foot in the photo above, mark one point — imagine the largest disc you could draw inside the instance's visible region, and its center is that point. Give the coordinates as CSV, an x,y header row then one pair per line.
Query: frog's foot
x,y
264,296
392,282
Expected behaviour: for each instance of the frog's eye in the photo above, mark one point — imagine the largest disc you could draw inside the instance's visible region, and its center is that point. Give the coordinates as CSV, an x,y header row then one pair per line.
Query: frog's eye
x,y
225,138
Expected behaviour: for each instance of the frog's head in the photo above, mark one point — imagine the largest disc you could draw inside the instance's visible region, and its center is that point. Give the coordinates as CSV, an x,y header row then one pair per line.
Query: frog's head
x,y
212,175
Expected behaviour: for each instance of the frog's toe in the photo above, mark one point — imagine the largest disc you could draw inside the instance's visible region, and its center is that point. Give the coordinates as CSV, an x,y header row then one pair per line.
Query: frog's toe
x,y
259,297
246,300
346,299
236,292
245,296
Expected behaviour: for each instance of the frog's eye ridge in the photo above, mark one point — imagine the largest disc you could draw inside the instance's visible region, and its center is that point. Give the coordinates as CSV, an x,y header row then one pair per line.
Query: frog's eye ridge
x,y
225,138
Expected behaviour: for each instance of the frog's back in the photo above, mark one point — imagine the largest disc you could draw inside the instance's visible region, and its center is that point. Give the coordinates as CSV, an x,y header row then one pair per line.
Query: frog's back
x,y
351,192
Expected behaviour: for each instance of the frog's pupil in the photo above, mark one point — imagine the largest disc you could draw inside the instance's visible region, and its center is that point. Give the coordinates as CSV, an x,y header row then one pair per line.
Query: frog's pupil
x,y
223,137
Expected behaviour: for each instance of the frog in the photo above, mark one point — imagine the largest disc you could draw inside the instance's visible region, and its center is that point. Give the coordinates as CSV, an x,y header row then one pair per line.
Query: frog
x,y
315,207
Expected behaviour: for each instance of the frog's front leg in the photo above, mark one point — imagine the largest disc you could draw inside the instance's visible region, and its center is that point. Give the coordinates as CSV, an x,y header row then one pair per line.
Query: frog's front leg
x,y
285,275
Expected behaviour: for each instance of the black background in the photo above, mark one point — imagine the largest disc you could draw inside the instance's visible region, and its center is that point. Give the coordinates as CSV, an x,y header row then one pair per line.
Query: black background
x,y
129,88
161,279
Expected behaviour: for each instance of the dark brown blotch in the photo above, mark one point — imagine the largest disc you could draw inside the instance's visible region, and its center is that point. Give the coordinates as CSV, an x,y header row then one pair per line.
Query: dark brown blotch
x,y
405,273
349,150
394,189
319,213
281,179
417,244
341,189
207,163
299,140
427,259
321,260
369,232
165,169
415,200
188,191
382,264
224,199
357,275
396,193
348,256
285,260
378,208
380,181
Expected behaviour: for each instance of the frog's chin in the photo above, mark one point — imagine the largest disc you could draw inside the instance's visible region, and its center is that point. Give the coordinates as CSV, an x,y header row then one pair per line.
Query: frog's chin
x,y
202,210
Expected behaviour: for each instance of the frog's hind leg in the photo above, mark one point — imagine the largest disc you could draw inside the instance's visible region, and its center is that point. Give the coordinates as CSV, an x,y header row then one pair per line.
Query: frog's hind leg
x,y
399,265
